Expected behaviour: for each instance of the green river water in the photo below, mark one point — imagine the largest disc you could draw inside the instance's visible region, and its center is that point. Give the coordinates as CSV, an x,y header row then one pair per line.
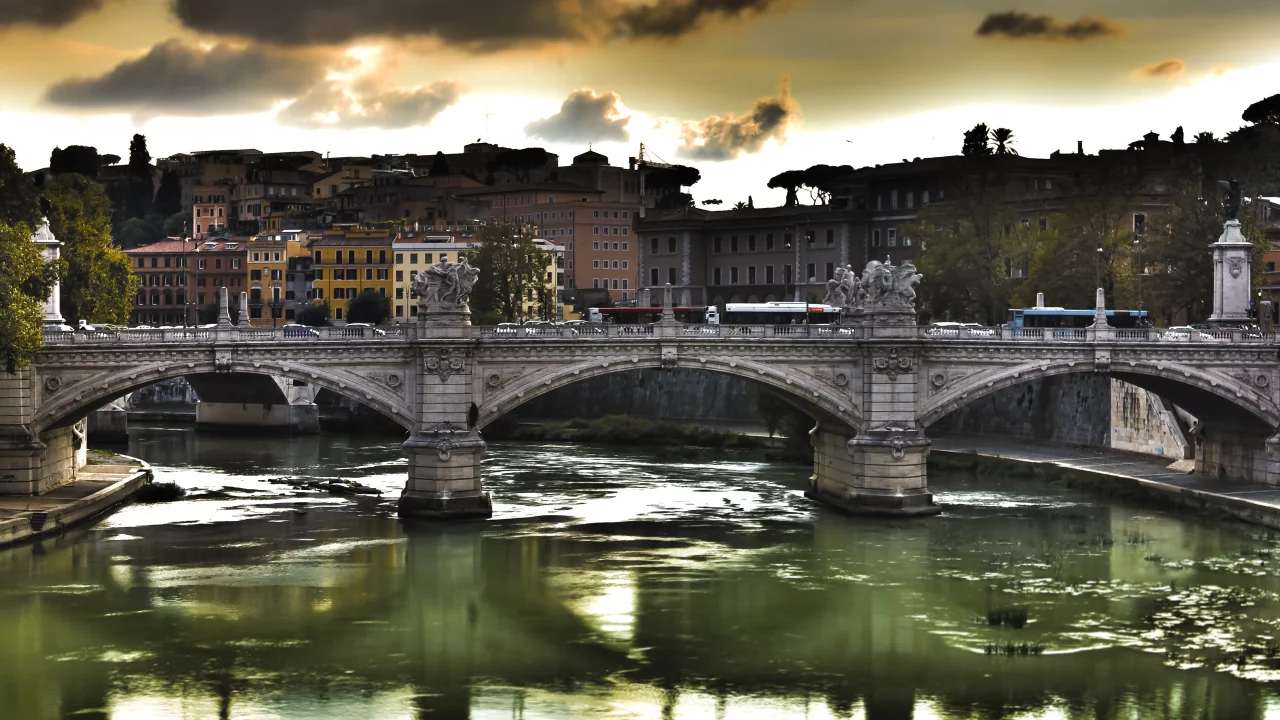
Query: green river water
x,y
628,583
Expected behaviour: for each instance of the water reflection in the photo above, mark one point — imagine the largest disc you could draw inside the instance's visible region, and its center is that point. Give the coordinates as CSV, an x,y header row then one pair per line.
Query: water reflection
x,y
626,584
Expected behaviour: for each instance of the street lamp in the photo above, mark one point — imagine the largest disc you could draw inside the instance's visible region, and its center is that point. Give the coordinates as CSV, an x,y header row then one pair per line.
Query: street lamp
x,y
1142,270
1097,269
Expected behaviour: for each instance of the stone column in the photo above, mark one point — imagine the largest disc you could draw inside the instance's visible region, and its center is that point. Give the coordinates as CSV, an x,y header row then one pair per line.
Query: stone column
x,y
244,311
224,309
446,450
1231,280
50,250
1102,329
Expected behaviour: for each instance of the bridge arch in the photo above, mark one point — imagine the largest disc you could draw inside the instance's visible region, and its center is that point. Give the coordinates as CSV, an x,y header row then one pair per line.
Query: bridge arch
x,y
1210,396
804,391
63,405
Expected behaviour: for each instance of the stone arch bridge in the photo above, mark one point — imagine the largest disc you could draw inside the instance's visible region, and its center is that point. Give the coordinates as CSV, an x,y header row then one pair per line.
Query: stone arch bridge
x,y
873,388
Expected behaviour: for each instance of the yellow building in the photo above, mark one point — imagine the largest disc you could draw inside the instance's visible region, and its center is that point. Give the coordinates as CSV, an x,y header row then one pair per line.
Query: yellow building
x,y
268,265
348,261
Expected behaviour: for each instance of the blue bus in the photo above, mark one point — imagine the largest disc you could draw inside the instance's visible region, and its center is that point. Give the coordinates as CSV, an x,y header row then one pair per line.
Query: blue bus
x,y
1056,317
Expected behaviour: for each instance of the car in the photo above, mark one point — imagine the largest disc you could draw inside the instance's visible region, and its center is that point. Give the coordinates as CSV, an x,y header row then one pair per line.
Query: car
x,y
84,326
507,329
1190,333
360,328
959,329
300,331
58,327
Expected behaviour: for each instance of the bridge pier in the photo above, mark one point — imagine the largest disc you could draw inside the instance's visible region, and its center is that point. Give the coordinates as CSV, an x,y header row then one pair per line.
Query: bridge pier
x,y
444,477
879,472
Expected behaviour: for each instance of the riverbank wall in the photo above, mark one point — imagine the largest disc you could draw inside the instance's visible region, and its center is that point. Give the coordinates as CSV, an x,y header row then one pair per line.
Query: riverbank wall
x,y
97,489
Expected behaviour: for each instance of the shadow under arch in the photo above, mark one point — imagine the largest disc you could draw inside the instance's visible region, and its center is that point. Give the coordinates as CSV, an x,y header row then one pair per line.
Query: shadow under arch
x,y
65,406
1211,398
805,392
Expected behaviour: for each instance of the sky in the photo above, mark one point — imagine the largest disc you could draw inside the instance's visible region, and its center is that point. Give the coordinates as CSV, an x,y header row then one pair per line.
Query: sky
x,y
741,89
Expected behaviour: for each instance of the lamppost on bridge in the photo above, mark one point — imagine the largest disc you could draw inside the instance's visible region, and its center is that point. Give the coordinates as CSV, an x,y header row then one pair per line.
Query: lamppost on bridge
x,y
1097,269
275,303
1142,270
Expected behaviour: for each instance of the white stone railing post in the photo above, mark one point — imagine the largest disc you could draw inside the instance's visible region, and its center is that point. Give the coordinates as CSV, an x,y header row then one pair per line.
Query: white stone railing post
x,y
225,328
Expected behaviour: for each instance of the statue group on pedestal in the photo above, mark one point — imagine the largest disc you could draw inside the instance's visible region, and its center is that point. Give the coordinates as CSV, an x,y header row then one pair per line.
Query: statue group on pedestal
x,y
883,286
445,286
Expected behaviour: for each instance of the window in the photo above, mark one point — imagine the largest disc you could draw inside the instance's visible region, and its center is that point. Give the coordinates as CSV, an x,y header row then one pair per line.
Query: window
x,y
413,259
809,237
924,198
768,274
615,230
893,237
368,273
615,214
787,275
235,263
671,276
255,257
768,241
715,276
911,199
595,246
255,274
351,257
733,243
277,275
751,243
671,245
595,264
382,257
318,256
624,264
1139,224
382,273
624,214
811,274
875,238
338,274
625,230
715,244
615,246
275,257
368,257
653,246
786,241
615,280
217,263
426,258
624,287
624,245
595,283
831,270
1044,224
653,277
831,238
751,275
339,293
595,214
595,229
399,276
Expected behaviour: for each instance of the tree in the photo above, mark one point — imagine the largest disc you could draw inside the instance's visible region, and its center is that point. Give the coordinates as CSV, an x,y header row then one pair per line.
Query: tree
x,y
976,141
137,232
19,198
25,278
667,183
1003,140
713,201
512,271
168,195
1205,138
176,225
1179,138
316,314
99,283
820,180
141,187
439,165
370,307
1089,245
75,159
1263,112
791,180
968,250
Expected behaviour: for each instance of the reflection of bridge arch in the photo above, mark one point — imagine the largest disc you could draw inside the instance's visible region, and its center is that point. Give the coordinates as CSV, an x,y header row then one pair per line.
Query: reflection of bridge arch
x,y
1208,396
800,389
63,405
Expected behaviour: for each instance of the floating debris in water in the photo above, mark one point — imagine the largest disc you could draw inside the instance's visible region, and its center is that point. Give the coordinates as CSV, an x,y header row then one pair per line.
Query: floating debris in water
x,y
1014,649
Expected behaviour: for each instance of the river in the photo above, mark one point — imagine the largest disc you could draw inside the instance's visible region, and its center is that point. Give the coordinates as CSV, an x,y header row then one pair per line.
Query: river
x,y
628,583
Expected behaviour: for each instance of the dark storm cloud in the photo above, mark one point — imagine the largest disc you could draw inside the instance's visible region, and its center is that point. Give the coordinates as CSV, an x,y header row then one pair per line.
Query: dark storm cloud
x,y
1022,26
474,24
725,138
584,117
330,106
174,78
47,13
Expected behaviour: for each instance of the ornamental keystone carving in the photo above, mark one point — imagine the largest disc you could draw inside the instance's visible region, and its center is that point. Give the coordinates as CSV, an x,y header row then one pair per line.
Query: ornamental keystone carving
x,y
445,286
1235,266
892,364
445,364
52,384
833,377
392,380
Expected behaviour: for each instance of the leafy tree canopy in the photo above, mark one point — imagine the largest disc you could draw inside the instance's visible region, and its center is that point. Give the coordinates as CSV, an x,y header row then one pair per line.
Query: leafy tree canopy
x,y
141,187
976,141
370,307
99,283
1263,112
25,282
439,165
672,178
75,159
316,314
137,232
168,195
19,198
513,274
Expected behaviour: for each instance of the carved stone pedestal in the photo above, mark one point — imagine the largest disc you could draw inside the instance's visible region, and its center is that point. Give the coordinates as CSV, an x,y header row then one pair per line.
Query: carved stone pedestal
x,y
877,473
444,478
1231,276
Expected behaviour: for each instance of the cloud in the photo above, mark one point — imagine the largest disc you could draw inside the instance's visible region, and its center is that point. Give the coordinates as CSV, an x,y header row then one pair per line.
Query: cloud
x,y
330,105
725,138
1023,26
584,117
175,78
46,13
1173,67
479,25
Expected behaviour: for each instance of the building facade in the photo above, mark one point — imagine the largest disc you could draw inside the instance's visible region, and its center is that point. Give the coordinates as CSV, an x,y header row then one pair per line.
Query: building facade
x,y
268,263
180,280
348,261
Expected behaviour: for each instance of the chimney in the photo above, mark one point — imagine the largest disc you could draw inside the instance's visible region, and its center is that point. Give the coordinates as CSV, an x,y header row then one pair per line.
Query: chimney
x,y
1039,300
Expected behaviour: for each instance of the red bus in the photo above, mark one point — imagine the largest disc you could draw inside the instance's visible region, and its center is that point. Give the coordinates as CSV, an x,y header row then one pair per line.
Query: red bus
x,y
646,315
